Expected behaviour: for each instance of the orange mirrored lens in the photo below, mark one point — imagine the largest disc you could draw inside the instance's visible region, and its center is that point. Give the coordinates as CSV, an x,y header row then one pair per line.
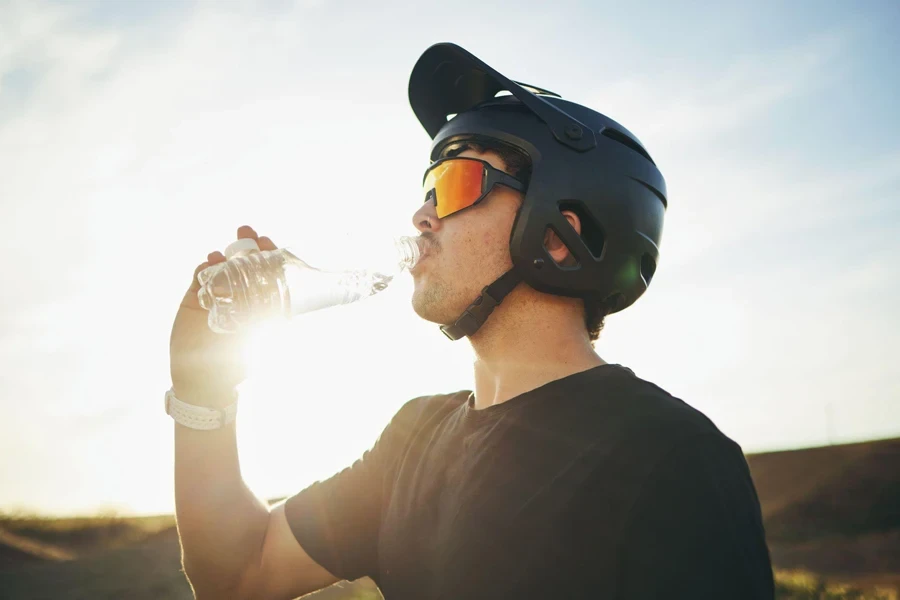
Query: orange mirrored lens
x,y
457,184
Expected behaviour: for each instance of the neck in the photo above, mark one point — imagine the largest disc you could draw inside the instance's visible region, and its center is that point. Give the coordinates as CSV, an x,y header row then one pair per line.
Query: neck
x,y
528,341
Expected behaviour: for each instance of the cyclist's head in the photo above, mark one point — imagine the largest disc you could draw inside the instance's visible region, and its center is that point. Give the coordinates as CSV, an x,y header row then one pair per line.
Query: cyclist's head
x,y
583,220
441,295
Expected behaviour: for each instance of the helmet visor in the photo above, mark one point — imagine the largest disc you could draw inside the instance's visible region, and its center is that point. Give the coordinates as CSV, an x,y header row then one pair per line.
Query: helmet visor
x,y
460,182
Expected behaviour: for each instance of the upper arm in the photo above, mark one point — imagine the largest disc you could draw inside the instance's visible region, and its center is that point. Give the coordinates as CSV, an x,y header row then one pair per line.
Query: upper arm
x,y
284,569
696,530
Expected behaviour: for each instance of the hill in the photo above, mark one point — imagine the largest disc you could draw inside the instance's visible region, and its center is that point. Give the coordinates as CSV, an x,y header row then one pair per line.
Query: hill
x,y
834,509
846,490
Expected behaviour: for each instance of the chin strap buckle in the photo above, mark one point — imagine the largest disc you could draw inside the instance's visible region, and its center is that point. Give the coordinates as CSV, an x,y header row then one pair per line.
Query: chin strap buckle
x,y
473,317
477,312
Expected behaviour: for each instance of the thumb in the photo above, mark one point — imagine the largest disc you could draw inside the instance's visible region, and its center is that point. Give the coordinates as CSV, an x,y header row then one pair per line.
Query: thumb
x,y
213,258
190,299
195,281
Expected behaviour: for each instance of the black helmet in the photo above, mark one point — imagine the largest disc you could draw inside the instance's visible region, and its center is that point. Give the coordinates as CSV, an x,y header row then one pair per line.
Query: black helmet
x,y
581,161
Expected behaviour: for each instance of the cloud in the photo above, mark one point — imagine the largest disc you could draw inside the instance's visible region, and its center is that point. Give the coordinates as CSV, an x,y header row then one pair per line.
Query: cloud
x,y
775,273
691,106
725,195
127,159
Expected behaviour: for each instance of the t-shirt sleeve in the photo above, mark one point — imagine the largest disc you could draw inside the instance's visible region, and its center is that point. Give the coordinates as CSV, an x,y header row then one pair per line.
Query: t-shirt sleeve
x,y
696,529
337,520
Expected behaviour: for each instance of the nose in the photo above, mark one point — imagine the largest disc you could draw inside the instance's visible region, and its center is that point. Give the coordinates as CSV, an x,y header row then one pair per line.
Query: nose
x,y
426,219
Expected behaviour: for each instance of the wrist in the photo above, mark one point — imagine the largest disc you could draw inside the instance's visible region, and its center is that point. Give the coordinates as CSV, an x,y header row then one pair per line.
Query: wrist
x,y
195,416
206,396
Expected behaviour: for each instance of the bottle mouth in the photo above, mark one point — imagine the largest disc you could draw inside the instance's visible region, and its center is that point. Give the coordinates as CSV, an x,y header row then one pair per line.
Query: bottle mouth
x,y
410,249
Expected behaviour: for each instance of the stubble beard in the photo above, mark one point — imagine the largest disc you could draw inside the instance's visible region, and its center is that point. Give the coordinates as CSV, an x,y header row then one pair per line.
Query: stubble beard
x,y
430,301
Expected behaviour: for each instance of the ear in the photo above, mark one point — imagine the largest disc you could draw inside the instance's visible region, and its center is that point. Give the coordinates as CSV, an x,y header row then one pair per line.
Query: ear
x,y
555,246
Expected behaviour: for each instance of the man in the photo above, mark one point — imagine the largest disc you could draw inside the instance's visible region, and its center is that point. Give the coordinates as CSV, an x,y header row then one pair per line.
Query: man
x,y
559,475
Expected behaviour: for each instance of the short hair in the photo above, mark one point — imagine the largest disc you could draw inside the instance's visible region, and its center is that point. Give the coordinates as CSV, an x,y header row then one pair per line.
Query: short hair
x,y
518,164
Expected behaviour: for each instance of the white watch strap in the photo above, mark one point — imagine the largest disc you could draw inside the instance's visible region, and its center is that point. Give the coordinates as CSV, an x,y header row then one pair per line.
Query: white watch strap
x,y
199,417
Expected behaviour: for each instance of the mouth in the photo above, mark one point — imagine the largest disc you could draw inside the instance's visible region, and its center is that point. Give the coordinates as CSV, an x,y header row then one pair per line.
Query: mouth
x,y
425,254
426,248
422,257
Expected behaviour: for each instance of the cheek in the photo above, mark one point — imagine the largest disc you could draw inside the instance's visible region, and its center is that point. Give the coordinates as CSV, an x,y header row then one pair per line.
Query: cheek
x,y
495,239
485,244
488,235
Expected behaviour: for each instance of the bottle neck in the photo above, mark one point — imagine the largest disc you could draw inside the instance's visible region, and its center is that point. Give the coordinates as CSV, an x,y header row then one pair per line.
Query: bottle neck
x,y
408,251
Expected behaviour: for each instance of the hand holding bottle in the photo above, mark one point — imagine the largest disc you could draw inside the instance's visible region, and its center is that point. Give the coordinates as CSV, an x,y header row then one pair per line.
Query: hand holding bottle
x,y
256,284
207,367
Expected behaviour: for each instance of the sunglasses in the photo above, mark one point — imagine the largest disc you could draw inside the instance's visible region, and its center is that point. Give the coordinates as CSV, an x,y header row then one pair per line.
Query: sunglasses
x,y
456,183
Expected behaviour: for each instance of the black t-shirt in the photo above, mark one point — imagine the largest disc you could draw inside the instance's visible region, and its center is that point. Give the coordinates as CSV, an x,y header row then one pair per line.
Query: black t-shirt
x,y
596,485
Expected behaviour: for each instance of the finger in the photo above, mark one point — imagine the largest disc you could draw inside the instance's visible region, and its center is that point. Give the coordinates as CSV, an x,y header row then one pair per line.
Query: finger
x,y
265,243
245,231
215,258
195,283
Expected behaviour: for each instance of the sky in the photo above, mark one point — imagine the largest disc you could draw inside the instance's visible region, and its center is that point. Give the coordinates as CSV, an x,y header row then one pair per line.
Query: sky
x,y
135,137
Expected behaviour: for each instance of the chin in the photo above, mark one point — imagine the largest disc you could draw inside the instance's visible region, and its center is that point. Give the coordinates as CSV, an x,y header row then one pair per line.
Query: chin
x,y
428,306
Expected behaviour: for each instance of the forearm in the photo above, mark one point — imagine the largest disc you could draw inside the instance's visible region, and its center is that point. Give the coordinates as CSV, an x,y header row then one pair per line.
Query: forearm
x,y
221,523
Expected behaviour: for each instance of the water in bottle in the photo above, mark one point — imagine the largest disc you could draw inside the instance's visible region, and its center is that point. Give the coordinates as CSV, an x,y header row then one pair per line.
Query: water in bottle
x,y
253,285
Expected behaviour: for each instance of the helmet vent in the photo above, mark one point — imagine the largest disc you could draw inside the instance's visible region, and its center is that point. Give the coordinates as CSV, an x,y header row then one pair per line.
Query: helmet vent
x,y
591,233
570,261
615,134
648,267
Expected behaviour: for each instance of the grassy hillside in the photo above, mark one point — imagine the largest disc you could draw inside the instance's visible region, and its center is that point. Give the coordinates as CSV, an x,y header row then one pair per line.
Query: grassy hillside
x,y
833,510
142,562
832,517
844,490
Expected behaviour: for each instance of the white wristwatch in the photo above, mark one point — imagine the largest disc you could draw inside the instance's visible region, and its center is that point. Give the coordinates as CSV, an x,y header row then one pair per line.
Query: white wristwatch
x,y
199,417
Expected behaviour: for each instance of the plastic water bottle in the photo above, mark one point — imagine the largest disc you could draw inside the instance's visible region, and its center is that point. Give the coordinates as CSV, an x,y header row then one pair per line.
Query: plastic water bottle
x,y
253,285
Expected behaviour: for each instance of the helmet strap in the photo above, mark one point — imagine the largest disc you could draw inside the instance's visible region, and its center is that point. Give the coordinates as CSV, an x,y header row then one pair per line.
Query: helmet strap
x,y
477,312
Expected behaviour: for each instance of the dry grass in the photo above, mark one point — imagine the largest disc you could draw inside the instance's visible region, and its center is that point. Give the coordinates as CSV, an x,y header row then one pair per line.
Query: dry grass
x,y
150,568
803,585
78,536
